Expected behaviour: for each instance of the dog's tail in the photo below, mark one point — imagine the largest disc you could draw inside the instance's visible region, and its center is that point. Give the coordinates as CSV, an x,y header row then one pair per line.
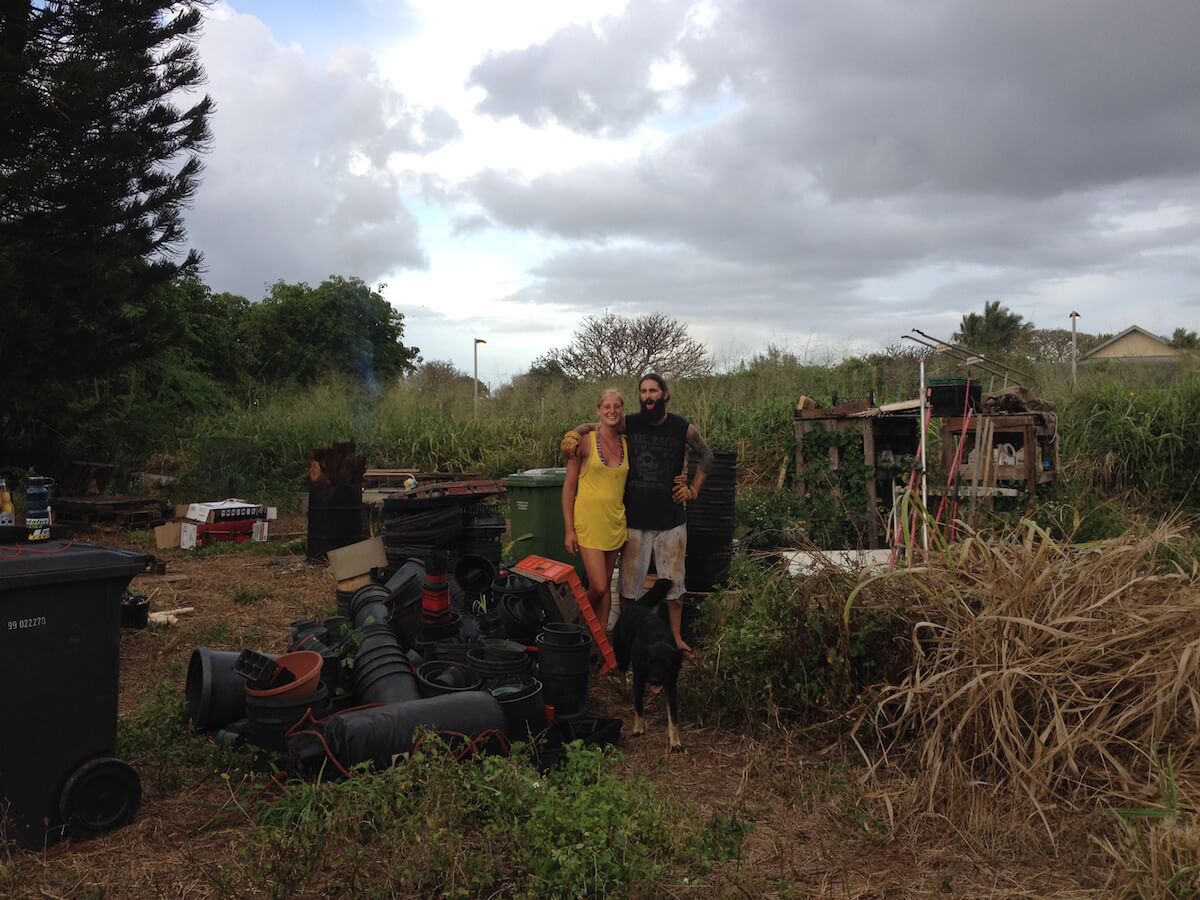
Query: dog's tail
x,y
656,595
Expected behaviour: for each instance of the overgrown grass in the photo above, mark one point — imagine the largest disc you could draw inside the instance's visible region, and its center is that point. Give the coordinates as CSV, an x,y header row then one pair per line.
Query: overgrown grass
x,y
776,653
1120,436
1047,674
435,827
1156,851
1117,431
156,738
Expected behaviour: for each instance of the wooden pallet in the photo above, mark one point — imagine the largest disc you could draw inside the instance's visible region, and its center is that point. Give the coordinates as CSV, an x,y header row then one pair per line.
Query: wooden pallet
x,y
123,512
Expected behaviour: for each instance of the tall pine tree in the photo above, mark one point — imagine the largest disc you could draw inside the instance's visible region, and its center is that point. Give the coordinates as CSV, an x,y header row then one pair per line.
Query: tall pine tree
x,y
101,131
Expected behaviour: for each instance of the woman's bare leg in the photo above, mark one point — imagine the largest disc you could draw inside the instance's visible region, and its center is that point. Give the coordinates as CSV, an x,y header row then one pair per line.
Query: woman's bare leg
x,y
599,575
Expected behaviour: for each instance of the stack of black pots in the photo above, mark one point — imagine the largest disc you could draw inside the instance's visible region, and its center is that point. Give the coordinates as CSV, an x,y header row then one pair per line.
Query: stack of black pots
x,y
482,526
710,525
417,528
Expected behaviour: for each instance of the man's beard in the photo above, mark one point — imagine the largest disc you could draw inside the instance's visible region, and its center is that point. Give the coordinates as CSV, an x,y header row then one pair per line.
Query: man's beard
x,y
658,412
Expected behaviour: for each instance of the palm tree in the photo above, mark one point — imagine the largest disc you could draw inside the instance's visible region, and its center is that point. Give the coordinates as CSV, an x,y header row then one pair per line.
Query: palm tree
x,y
998,328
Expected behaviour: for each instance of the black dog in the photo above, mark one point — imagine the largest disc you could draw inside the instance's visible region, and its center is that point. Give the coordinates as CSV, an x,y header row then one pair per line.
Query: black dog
x,y
643,637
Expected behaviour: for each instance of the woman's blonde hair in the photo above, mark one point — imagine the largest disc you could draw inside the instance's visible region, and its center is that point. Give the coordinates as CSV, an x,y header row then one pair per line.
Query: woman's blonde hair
x,y
612,390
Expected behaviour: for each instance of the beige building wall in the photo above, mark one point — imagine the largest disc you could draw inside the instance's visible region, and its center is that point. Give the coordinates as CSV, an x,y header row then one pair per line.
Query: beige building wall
x,y
1134,346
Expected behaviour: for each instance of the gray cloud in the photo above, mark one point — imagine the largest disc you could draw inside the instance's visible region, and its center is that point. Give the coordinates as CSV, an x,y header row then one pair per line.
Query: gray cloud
x,y
296,186
860,143
591,79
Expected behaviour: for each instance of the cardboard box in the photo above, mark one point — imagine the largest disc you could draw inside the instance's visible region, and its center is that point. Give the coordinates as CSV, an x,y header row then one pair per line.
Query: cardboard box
x,y
168,535
231,510
199,534
357,559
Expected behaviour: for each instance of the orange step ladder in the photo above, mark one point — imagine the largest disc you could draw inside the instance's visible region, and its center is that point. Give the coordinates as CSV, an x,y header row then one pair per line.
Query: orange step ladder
x,y
564,574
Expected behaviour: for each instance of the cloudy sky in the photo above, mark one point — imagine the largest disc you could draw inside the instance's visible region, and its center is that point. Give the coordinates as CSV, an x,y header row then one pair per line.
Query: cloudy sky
x,y
820,175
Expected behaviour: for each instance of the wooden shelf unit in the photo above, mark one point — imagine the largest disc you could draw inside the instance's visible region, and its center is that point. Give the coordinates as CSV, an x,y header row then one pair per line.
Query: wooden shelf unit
x,y
1023,430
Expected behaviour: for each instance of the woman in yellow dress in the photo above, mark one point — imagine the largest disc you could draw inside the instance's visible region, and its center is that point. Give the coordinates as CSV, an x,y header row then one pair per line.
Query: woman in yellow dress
x,y
593,501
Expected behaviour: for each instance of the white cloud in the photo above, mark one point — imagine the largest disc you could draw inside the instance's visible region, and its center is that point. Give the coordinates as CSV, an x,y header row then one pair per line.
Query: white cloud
x,y
806,173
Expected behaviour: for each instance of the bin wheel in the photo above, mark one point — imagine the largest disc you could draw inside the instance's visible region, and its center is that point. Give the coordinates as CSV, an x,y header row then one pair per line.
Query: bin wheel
x,y
101,795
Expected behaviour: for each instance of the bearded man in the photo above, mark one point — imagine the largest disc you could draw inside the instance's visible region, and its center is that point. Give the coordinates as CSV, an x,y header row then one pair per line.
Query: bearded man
x,y
656,492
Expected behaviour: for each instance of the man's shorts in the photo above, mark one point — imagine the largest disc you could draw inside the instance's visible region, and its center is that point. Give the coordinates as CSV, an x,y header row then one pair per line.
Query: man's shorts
x,y
669,548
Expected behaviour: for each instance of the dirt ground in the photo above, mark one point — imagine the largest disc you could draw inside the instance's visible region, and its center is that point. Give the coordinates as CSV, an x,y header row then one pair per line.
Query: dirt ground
x,y
809,839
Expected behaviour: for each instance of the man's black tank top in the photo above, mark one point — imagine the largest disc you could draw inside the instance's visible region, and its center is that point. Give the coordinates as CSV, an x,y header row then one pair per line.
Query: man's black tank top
x,y
656,454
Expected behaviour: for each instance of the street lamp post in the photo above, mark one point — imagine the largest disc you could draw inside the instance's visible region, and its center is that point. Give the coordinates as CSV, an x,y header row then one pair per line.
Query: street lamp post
x,y
478,341
1074,348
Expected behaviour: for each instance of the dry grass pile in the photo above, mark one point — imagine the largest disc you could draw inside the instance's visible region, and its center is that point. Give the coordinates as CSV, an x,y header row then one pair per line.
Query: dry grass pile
x,y
1045,675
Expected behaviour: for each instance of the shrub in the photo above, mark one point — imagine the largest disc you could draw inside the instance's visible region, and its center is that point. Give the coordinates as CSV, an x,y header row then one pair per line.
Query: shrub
x,y
434,826
777,652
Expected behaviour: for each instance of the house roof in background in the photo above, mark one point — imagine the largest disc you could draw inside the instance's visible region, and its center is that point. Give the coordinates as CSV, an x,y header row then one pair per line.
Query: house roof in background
x,y
1130,330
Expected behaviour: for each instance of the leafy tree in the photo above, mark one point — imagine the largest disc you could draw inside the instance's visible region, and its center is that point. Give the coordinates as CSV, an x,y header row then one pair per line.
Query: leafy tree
x,y
998,328
299,333
98,159
613,346
1053,345
547,370
1185,340
440,374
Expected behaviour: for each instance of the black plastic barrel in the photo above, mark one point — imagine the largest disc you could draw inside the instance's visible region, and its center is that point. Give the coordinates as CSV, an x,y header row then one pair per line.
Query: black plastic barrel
x,y
564,671
522,699
381,734
214,694
335,518
269,718
59,662
710,524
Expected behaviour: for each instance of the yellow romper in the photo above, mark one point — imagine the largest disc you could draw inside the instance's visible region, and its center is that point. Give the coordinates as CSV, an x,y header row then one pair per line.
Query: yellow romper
x,y
600,500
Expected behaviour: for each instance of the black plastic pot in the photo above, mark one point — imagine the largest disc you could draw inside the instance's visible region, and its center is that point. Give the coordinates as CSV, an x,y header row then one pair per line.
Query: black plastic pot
x,y
269,718
304,627
338,627
491,670
441,631
215,695
564,673
450,651
563,634
135,611
381,734
343,602
503,650
474,573
438,677
523,701
522,615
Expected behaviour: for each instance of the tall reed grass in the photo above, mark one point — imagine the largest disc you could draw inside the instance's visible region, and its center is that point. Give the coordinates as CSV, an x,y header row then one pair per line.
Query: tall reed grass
x,y
1116,434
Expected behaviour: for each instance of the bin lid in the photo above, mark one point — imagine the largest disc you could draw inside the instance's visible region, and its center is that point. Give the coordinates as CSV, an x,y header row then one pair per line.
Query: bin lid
x,y
537,478
54,562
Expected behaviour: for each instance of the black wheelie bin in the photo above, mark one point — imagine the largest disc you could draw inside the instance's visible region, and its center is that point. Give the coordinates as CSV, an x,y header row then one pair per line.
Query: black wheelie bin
x,y
60,634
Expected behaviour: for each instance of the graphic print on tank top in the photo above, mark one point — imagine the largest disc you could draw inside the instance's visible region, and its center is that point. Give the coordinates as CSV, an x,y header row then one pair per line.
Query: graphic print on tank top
x,y
656,457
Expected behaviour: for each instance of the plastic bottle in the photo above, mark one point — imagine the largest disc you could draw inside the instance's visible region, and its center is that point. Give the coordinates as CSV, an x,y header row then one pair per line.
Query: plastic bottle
x,y
37,509
7,515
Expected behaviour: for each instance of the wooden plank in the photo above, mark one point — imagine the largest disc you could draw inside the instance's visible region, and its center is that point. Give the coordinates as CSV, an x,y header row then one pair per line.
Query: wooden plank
x,y
868,435
801,471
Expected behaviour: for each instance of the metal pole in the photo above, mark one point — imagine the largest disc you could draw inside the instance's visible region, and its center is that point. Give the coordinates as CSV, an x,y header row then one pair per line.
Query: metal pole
x,y
924,481
478,341
1074,349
